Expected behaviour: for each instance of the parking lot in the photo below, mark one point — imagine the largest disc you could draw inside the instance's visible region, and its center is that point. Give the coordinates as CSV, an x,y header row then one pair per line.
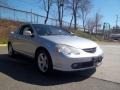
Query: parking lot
x,y
21,74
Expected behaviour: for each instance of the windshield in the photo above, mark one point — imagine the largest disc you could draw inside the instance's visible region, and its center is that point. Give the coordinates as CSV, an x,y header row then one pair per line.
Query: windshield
x,y
50,30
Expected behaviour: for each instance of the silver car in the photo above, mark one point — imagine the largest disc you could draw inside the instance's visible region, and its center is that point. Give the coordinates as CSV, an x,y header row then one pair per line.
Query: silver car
x,y
54,48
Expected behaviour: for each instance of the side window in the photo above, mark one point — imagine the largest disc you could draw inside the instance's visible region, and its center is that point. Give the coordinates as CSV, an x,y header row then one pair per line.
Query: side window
x,y
25,29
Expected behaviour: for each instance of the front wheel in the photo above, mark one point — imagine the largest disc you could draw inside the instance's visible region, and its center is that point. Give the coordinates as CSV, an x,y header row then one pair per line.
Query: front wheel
x,y
44,62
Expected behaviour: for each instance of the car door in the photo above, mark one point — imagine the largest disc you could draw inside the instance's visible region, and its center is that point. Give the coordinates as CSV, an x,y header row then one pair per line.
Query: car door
x,y
17,40
26,42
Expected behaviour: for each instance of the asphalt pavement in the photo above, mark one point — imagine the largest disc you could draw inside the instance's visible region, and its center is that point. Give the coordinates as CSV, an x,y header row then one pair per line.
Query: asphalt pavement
x,y
110,68
20,73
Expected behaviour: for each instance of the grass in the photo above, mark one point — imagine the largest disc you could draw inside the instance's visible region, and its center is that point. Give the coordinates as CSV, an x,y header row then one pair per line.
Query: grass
x,y
3,41
7,26
86,35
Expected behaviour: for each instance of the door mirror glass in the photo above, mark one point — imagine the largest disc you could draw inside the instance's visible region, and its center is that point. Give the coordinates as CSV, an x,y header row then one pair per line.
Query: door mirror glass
x,y
12,32
27,33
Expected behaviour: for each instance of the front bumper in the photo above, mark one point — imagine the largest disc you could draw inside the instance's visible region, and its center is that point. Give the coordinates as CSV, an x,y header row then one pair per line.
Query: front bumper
x,y
82,61
76,64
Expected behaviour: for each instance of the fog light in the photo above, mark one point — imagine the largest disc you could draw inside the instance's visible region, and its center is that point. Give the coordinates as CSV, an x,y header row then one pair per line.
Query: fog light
x,y
100,59
75,65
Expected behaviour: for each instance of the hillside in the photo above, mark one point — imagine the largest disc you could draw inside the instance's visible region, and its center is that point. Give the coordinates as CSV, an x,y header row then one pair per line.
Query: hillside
x,y
6,26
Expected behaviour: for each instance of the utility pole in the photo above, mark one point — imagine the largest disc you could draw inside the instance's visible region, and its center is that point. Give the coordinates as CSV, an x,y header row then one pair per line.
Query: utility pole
x,y
116,21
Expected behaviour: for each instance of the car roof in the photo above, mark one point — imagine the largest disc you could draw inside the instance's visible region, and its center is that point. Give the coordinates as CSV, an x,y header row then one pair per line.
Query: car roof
x,y
38,24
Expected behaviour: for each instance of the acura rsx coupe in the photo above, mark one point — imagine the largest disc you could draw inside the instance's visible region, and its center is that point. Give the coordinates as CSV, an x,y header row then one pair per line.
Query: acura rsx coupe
x,y
54,48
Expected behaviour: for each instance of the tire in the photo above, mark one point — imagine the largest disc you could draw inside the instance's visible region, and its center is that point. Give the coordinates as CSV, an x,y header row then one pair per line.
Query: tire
x,y
44,62
11,52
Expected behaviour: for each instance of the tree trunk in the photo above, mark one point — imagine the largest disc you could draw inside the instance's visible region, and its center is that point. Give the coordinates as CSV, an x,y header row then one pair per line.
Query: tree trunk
x,y
75,20
71,22
84,25
47,15
61,24
47,10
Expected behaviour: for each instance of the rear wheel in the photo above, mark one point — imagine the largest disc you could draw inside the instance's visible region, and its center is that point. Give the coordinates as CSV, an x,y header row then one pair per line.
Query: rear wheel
x,y
44,62
10,50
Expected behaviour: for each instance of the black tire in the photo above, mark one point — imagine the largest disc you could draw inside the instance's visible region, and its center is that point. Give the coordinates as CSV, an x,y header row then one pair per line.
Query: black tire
x,y
11,52
49,66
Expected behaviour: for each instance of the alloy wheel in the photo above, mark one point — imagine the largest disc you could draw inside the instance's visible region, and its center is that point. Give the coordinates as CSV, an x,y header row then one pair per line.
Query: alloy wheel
x,y
43,62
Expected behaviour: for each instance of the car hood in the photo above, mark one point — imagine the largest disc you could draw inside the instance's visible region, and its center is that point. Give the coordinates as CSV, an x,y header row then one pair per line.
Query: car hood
x,y
74,41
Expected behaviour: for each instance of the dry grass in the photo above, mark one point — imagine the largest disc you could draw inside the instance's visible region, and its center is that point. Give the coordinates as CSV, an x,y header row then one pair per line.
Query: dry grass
x,y
6,26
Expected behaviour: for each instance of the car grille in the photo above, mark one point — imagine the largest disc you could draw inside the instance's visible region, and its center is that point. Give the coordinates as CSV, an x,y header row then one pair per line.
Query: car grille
x,y
90,50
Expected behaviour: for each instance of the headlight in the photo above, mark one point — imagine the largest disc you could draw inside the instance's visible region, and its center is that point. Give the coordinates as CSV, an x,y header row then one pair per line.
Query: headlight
x,y
65,49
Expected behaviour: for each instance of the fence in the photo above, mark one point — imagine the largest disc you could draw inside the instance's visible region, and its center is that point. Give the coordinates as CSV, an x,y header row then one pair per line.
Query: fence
x,y
26,16
8,13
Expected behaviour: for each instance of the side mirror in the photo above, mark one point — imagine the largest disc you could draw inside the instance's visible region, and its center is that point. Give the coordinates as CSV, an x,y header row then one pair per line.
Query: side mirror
x,y
12,32
27,33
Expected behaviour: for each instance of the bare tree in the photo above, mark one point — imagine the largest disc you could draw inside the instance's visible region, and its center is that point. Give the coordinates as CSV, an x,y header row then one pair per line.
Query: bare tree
x,y
47,6
74,5
75,8
60,7
71,22
93,24
98,18
85,6
90,23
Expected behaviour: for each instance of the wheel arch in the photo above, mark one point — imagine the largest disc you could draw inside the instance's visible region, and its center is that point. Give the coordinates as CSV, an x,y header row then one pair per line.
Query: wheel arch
x,y
48,53
42,48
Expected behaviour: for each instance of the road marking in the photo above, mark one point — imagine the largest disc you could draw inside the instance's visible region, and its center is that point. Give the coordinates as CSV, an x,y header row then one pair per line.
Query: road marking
x,y
114,46
3,45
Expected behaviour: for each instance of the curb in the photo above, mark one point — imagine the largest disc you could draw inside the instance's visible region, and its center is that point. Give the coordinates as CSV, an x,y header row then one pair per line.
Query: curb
x,y
3,45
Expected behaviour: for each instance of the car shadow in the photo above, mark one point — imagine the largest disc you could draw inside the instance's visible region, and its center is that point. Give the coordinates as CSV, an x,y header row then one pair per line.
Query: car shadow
x,y
22,69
